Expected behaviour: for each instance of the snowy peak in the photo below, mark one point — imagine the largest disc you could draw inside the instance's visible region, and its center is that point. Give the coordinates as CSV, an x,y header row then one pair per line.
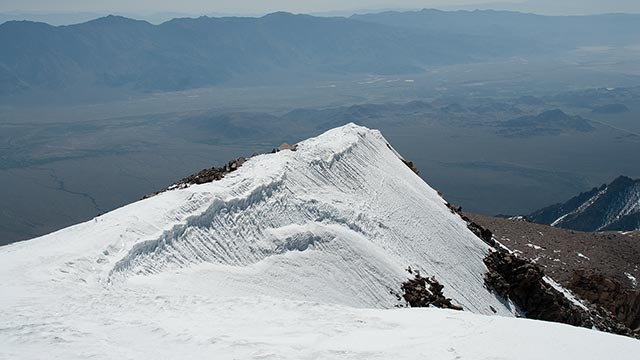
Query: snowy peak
x,y
612,207
336,221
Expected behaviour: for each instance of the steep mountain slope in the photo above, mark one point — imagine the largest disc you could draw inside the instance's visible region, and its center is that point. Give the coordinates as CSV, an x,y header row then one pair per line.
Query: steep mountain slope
x,y
611,207
272,260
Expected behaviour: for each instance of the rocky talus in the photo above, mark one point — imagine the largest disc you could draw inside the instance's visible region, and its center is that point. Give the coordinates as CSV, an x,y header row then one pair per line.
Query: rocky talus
x,y
611,294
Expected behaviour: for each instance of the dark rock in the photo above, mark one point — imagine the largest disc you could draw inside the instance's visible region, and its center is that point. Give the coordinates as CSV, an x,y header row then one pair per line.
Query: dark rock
x,y
204,176
406,162
483,233
425,292
215,174
411,166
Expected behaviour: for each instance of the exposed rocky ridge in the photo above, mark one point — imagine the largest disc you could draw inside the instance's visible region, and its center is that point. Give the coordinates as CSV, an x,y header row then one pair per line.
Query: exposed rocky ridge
x,y
611,207
411,166
216,173
482,232
523,282
204,176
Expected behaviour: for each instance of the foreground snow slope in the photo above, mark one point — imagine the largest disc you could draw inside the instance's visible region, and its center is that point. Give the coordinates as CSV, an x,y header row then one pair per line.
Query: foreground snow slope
x,y
276,258
168,325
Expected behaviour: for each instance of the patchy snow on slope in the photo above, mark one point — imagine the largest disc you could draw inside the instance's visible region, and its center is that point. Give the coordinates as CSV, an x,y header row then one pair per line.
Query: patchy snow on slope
x,y
583,256
634,281
580,208
294,255
535,247
567,294
612,204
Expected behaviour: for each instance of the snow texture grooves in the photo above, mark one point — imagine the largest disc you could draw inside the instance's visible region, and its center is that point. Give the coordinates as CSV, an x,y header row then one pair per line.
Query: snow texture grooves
x,y
336,221
346,187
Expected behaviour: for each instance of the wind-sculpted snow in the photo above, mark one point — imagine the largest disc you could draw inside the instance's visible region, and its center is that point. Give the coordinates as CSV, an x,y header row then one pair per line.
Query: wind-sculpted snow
x,y
343,188
331,225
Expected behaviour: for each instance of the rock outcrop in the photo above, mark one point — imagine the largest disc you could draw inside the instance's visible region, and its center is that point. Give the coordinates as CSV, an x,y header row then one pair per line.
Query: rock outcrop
x,y
411,166
204,176
425,292
482,232
216,173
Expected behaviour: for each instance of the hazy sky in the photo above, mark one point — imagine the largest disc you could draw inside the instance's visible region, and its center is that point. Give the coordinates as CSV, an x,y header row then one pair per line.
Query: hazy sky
x,y
220,5
307,6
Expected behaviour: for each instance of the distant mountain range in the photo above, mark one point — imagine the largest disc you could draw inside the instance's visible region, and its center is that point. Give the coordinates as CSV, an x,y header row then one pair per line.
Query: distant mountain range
x,y
188,53
612,207
120,53
549,31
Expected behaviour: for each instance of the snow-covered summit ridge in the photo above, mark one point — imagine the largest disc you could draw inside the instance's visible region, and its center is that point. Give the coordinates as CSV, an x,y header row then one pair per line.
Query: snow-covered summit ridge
x,y
336,221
